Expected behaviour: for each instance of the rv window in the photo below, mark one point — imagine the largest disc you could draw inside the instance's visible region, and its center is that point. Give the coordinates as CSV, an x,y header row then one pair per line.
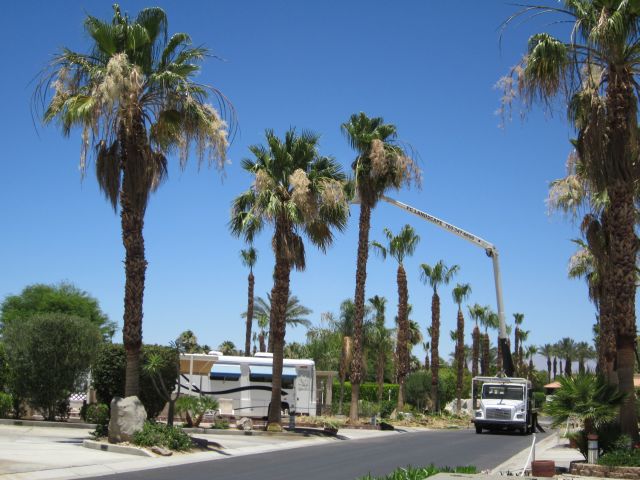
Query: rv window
x,y
227,373
264,374
502,392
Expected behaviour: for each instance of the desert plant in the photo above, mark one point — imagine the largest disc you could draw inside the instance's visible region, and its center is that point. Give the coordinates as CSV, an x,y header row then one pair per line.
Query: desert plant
x,y
161,435
194,408
6,404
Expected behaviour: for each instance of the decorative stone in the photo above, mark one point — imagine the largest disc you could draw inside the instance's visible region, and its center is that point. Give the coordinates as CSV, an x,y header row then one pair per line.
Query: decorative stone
x,y
127,417
244,424
161,451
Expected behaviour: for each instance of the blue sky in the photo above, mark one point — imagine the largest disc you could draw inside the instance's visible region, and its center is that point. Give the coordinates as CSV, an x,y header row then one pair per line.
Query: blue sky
x,y
428,67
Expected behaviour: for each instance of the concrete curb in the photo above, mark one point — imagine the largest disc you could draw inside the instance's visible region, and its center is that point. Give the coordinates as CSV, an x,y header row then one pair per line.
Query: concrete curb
x,y
301,432
108,447
542,446
44,423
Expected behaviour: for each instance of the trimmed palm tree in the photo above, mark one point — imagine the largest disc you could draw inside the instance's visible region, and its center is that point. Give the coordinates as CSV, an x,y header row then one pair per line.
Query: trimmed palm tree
x,y
227,347
436,275
135,99
381,342
595,72
427,348
249,258
344,327
399,247
476,312
263,332
488,320
381,165
547,351
187,342
518,318
460,294
298,192
566,349
583,352
531,351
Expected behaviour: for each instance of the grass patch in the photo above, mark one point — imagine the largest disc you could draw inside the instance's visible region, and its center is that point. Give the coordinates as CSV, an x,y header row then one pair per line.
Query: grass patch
x,y
420,473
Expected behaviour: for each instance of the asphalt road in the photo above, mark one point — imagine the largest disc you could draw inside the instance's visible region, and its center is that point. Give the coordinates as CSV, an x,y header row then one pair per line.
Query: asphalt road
x,y
348,460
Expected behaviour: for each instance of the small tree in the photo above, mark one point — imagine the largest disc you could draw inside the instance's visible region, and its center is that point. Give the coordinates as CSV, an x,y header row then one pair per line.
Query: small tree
x,y
49,355
61,298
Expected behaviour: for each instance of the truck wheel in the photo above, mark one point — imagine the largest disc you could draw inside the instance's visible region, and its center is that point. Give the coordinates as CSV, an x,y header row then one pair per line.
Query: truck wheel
x,y
478,429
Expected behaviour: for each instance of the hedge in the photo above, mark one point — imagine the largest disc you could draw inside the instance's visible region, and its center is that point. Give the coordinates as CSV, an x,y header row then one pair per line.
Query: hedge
x,y
368,392
108,375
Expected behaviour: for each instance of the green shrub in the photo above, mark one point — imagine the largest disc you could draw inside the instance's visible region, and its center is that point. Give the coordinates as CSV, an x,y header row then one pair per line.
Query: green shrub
x,y
387,407
621,458
420,473
98,413
49,355
161,435
220,424
368,392
194,408
418,387
539,399
6,404
608,436
108,375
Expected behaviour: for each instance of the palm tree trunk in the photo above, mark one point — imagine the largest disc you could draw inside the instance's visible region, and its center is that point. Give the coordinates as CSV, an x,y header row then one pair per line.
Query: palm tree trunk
x,y
380,374
247,338
555,367
475,351
623,245
548,369
567,366
435,354
361,278
499,357
263,345
279,298
485,354
403,327
460,359
135,270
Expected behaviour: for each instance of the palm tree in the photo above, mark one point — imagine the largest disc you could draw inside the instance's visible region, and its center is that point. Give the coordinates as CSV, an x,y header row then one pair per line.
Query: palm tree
x,y
187,342
583,352
518,318
249,258
135,99
476,312
435,276
460,294
297,191
381,164
381,342
488,319
295,312
566,349
344,327
400,246
531,352
227,348
263,325
595,72
547,351
427,347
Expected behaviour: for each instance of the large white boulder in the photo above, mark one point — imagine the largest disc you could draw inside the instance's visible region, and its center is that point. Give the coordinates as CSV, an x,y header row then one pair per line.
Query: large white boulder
x,y
127,417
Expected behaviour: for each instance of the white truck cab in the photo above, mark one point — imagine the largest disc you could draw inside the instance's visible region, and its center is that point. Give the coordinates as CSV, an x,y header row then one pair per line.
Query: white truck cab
x,y
502,403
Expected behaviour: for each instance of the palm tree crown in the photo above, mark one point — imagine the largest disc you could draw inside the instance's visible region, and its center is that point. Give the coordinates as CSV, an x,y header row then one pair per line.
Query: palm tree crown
x,y
438,274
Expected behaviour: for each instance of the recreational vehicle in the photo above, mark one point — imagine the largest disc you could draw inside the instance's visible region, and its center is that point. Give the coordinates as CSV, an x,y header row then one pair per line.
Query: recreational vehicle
x,y
245,382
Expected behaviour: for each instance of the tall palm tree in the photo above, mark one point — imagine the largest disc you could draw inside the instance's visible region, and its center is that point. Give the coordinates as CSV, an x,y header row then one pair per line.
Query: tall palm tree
x,y
135,99
400,246
583,352
531,351
547,351
381,342
187,342
476,312
427,347
438,274
295,312
460,294
595,72
566,349
381,164
344,326
227,347
518,318
263,335
249,258
489,320
298,192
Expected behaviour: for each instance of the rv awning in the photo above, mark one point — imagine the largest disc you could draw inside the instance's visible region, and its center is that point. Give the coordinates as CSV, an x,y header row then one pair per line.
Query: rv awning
x,y
288,373
220,371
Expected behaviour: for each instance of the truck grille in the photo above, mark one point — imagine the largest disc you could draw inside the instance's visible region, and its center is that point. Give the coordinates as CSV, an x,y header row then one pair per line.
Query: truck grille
x,y
498,414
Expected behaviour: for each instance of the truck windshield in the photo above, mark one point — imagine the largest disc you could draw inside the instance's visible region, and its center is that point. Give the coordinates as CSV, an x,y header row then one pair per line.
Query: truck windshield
x,y
503,392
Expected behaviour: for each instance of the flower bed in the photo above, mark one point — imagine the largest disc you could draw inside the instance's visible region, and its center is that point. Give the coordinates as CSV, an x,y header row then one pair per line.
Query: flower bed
x,y
591,470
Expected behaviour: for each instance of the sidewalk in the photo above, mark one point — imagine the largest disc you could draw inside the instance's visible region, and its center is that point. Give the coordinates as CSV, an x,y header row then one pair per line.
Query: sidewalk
x,y
39,453
551,448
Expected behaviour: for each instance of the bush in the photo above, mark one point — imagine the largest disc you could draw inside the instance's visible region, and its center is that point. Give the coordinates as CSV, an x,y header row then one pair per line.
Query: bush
x,y
49,356
368,392
412,473
108,375
161,435
539,399
418,387
621,455
98,413
608,435
194,408
6,404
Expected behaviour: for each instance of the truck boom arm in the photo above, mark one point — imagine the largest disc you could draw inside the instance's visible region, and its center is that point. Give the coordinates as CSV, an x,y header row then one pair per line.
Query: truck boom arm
x,y
492,252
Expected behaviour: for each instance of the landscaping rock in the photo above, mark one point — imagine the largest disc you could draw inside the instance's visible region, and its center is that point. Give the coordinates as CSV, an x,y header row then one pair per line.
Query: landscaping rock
x,y
244,424
127,417
161,451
